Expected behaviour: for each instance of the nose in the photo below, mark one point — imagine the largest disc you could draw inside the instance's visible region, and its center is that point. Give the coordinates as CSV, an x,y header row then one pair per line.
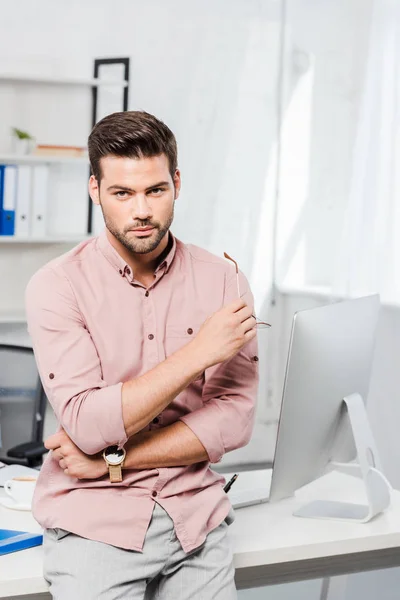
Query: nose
x,y
141,209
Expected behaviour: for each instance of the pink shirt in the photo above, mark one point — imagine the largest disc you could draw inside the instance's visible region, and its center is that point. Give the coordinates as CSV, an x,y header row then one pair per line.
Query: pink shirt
x,y
93,327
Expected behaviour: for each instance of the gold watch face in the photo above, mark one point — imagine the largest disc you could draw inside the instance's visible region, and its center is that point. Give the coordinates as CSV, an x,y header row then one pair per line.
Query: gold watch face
x,y
113,455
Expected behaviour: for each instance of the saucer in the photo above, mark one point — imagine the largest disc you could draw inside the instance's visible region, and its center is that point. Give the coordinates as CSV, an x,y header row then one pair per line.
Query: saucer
x,y
10,503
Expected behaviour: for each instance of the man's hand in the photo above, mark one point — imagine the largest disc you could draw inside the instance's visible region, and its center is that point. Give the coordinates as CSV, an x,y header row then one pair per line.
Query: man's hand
x,y
72,460
224,333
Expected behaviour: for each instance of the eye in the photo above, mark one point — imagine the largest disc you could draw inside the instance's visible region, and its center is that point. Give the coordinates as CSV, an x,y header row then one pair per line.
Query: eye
x,y
121,194
157,191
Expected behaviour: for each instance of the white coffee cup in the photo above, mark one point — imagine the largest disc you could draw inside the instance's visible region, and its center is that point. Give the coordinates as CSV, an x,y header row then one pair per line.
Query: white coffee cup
x,y
21,489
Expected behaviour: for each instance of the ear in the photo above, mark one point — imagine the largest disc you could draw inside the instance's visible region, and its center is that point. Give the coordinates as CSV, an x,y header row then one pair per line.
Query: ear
x,y
94,190
177,183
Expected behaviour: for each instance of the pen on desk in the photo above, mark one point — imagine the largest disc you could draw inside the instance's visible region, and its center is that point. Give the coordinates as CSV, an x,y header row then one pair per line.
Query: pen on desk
x,y
230,483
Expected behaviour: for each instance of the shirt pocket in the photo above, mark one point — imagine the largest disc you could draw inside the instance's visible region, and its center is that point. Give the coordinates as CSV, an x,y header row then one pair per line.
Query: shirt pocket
x,y
178,336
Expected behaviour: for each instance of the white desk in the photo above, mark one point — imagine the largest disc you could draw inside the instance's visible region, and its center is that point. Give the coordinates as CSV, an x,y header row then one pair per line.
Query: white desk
x,y
271,546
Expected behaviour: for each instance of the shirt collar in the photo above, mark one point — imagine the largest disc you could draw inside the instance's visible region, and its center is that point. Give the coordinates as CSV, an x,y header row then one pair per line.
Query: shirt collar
x,y
167,261
118,263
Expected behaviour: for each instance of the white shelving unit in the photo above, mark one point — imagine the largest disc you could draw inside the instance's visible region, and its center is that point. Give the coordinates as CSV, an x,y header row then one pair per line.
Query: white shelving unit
x,y
64,171
5,239
54,80
33,159
95,84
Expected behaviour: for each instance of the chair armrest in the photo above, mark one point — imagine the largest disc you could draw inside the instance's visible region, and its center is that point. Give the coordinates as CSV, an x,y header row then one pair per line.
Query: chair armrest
x,y
29,451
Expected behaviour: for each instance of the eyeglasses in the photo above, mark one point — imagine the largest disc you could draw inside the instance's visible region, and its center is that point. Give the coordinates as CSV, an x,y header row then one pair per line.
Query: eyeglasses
x,y
259,324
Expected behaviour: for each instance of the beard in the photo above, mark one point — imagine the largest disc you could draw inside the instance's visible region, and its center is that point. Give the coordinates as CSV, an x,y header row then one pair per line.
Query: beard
x,y
140,245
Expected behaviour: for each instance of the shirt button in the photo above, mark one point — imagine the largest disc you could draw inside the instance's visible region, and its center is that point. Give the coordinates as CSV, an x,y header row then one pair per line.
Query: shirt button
x,y
128,271
120,272
154,494
150,336
190,331
147,293
255,358
156,420
51,375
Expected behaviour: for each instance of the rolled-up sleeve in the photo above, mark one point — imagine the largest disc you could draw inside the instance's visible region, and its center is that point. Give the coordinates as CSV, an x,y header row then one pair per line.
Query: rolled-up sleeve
x,y
226,420
86,406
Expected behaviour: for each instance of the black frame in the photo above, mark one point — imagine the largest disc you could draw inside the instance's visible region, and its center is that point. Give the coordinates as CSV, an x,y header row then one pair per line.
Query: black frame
x,y
99,62
40,403
40,397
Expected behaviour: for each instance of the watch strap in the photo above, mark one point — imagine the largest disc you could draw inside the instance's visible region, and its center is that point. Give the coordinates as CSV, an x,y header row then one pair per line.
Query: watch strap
x,y
115,472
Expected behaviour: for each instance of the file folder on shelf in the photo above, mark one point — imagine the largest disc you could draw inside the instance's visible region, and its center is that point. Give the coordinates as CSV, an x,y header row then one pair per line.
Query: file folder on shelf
x,y
7,226
23,210
11,541
39,201
2,169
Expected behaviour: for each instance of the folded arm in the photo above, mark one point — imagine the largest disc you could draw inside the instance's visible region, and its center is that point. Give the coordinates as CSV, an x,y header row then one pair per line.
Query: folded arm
x,y
224,423
93,413
172,446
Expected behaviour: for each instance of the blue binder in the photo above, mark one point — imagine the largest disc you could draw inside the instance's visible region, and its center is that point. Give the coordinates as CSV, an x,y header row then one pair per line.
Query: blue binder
x,y
11,541
2,169
9,199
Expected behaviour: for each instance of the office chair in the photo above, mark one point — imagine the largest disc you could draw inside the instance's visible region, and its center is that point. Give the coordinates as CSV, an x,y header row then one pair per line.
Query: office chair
x,y
22,407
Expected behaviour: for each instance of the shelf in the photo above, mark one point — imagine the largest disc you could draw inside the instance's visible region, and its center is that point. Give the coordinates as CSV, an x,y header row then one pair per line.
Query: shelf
x,y
49,80
5,239
32,159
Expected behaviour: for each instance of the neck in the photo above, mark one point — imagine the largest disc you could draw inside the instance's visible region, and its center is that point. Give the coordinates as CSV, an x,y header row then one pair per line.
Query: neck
x,y
142,265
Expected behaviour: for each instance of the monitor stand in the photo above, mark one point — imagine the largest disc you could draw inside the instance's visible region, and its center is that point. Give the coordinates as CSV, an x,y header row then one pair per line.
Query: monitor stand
x,y
377,487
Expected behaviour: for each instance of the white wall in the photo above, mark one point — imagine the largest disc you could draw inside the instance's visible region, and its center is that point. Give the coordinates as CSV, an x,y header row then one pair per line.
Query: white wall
x,y
322,96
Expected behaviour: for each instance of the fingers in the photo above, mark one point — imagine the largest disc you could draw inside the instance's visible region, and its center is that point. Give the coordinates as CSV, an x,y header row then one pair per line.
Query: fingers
x,y
57,454
235,305
249,324
60,449
244,313
54,441
250,335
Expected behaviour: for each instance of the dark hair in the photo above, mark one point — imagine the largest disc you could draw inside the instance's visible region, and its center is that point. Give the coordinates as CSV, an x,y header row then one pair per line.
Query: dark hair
x,y
131,134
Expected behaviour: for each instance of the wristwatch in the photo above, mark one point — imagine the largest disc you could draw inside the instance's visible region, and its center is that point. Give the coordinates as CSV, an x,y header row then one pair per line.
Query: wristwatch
x,y
114,458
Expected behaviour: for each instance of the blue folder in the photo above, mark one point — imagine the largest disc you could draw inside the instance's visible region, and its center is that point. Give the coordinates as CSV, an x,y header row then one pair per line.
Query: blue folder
x,y
2,169
7,216
11,541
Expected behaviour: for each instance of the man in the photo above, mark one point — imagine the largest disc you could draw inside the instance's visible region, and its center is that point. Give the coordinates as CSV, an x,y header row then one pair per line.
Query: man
x,y
147,351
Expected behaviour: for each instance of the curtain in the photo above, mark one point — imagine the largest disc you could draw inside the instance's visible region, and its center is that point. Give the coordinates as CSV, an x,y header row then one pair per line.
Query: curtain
x,y
369,255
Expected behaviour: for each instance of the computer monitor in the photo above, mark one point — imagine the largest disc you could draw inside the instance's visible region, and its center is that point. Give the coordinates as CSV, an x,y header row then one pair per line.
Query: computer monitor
x,y
330,357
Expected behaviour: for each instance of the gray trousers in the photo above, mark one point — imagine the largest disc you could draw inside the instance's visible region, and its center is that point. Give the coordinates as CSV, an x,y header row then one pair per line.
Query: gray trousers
x,y
81,569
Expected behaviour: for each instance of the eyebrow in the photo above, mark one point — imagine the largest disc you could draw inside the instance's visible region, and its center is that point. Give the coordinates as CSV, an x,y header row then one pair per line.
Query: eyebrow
x,y
127,189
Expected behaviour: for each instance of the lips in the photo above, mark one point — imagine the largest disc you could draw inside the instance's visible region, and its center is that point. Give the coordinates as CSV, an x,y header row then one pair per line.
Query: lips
x,y
143,232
